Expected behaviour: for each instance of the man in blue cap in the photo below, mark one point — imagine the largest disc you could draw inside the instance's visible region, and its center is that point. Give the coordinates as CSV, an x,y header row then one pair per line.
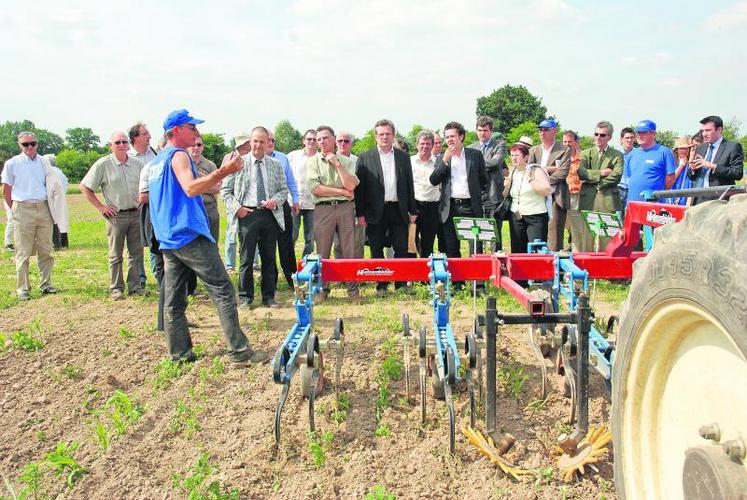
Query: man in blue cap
x,y
182,228
556,160
650,166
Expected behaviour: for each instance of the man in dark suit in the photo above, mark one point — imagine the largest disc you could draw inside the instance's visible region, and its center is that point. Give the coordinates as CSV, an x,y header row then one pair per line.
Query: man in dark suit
x,y
385,197
717,162
461,173
556,159
494,153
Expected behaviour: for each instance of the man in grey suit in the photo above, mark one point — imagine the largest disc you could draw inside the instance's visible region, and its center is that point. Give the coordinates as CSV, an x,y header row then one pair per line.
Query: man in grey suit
x,y
255,194
494,153
717,162
556,159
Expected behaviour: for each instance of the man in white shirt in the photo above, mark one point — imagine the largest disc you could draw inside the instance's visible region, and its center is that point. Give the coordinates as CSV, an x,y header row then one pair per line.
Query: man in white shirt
x,y
298,159
24,181
142,150
427,195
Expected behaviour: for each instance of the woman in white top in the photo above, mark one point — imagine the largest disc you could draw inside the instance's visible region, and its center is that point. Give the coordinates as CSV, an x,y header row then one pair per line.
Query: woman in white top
x,y
529,188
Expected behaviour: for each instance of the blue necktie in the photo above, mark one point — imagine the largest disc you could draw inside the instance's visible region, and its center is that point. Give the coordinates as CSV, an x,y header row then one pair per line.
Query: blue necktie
x,y
700,181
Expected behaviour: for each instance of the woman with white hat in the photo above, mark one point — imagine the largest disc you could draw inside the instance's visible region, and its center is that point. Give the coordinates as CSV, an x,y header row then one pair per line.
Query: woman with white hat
x,y
682,148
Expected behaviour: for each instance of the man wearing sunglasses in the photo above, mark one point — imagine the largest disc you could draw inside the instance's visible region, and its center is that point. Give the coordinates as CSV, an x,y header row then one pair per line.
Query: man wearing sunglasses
x,y
118,176
25,180
600,170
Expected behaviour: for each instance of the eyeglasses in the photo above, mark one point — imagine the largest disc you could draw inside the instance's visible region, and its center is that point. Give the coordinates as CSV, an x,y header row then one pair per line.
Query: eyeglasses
x,y
271,140
190,127
119,143
597,134
31,144
311,139
344,141
199,145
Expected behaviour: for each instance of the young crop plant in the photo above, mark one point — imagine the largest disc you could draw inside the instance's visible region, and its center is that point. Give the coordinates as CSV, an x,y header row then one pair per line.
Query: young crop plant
x,y
100,434
341,408
167,370
3,342
383,430
72,372
185,420
122,411
379,492
217,368
27,340
378,320
63,463
192,483
318,447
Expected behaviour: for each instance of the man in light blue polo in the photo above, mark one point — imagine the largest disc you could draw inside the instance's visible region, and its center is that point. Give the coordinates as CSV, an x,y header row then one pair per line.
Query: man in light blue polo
x,y
650,167
183,231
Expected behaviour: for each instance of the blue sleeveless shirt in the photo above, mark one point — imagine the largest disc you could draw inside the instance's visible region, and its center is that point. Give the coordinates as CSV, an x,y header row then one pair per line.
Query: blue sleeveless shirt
x,y
177,219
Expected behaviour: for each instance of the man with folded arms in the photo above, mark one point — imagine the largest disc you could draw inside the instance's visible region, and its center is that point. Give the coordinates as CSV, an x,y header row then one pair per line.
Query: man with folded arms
x,y
118,175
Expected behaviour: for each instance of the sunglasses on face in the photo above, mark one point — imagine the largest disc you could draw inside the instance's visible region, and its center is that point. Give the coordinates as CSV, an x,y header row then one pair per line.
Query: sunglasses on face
x,y
344,141
31,144
597,134
312,139
198,145
119,143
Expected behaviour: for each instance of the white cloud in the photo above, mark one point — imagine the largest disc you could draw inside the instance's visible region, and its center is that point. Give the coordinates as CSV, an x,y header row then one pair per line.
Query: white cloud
x,y
734,16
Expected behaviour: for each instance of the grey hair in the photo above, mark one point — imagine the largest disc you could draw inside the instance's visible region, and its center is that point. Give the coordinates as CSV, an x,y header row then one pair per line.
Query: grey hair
x,y
424,134
345,134
52,158
26,134
607,125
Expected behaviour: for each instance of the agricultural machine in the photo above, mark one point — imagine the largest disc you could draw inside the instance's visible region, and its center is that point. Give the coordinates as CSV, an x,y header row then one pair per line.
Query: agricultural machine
x,y
675,369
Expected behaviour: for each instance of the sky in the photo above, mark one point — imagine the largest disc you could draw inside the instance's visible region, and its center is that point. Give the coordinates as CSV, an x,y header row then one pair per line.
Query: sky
x,y
237,64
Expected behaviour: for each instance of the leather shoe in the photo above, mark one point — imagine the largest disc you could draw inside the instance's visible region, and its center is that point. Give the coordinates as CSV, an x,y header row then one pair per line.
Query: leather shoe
x,y
25,295
49,290
270,303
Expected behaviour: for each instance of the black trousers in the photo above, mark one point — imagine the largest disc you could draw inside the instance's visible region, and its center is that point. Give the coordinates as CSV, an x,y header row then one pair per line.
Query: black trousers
x,y
527,229
286,252
391,223
427,226
258,227
450,234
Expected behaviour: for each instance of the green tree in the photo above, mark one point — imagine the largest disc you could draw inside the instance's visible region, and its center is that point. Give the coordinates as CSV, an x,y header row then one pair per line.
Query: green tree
x,y
511,106
364,143
287,137
81,139
74,164
731,128
215,147
666,137
528,128
743,141
49,142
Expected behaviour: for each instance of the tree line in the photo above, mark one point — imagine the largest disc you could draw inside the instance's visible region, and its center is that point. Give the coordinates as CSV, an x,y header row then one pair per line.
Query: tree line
x,y
515,111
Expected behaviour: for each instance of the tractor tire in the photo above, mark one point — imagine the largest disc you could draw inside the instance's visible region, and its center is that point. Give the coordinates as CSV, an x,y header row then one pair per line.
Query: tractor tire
x,y
681,358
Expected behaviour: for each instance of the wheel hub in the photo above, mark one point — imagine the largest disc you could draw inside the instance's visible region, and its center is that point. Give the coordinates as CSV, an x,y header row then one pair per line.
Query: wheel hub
x,y
709,473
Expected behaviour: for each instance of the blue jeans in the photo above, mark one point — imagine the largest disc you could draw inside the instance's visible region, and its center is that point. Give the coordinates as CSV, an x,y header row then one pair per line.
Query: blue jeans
x,y
201,256
232,228
308,230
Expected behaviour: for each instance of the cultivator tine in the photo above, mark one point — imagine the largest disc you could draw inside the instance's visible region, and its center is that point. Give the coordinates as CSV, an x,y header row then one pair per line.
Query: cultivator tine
x,y
471,388
312,397
406,337
576,456
540,358
452,416
339,338
422,369
470,344
312,349
279,410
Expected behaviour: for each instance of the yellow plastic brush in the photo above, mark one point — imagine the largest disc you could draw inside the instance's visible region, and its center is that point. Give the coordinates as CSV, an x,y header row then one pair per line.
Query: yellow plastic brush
x,y
589,450
487,447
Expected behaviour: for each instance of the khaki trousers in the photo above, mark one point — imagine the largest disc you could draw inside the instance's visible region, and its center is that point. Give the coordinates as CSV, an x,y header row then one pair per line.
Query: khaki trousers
x,y
33,235
124,227
336,219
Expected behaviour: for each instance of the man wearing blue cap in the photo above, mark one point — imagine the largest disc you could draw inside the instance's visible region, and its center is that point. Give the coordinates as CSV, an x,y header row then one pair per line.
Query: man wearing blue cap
x,y
651,165
556,160
182,228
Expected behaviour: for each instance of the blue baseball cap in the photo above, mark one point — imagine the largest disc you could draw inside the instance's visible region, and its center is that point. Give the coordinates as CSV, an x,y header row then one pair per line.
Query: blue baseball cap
x,y
548,123
180,117
645,126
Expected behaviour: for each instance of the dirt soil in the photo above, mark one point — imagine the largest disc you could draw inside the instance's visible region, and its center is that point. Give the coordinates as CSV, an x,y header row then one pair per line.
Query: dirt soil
x,y
52,395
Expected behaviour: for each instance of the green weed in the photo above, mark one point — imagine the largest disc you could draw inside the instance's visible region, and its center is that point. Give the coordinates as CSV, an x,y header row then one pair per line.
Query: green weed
x,y
391,368
3,342
63,463
72,372
41,436
125,334
27,340
379,492
537,406
341,408
512,379
31,477
543,476
318,447
192,482
199,351
217,368
383,430
167,370
382,321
